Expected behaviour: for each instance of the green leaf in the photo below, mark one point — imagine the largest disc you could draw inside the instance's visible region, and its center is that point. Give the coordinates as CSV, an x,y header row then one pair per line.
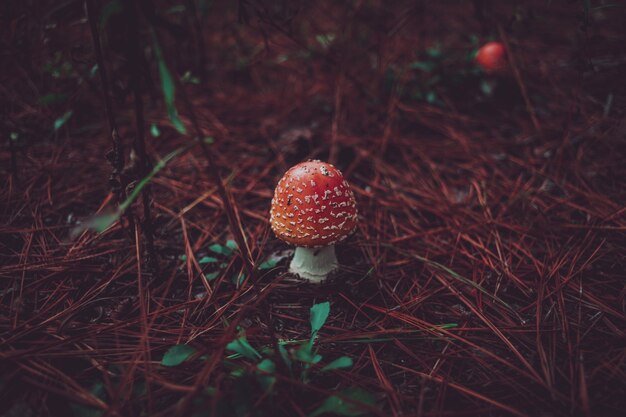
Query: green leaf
x,y
284,355
431,97
232,245
434,52
319,314
98,222
212,275
425,66
14,136
177,355
337,404
306,355
102,222
487,87
341,362
93,71
265,367
207,260
241,346
157,167
169,90
154,130
221,249
269,264
58,123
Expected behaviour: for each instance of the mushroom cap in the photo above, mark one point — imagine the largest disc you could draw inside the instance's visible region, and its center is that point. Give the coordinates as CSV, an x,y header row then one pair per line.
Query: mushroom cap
x,y
313,206
491,57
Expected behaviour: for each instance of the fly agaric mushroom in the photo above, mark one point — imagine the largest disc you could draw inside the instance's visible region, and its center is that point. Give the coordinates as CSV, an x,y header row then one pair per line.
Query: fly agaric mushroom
x,y
313,208
491,57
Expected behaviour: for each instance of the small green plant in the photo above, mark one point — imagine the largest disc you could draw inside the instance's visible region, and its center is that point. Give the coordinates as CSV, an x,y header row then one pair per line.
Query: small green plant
x,y
436,73
253,370
99,394
220,258
215,265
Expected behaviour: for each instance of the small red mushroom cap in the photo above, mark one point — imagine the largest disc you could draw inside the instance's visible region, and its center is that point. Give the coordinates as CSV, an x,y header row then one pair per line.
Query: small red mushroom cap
x,y
492,57
313,206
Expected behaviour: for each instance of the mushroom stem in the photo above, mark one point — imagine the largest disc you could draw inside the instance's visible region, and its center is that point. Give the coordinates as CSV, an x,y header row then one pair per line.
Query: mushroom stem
x,y
314,264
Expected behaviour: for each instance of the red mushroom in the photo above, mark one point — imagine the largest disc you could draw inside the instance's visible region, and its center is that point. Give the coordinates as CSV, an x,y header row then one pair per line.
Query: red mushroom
x,y
313,208
492,57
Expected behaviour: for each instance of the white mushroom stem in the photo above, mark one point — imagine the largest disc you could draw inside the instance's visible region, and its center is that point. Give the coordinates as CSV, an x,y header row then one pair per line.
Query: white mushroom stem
x,y
314,264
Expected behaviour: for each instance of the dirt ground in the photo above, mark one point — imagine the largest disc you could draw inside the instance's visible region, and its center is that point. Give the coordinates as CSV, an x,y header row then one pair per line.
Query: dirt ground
x,y
487,273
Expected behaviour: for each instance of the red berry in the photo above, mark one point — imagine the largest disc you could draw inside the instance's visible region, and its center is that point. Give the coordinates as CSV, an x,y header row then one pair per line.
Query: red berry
x,y
492,57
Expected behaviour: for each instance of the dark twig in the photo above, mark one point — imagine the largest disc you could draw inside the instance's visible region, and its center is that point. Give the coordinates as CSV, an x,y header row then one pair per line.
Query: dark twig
x,y
117,156
518,77
139,146
200,49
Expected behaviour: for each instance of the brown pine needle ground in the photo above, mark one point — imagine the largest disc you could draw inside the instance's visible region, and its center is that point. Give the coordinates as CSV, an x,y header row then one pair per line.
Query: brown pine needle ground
x,y
488,273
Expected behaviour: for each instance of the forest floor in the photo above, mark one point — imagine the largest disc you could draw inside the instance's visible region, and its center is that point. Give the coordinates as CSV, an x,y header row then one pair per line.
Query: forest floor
x,y
487,273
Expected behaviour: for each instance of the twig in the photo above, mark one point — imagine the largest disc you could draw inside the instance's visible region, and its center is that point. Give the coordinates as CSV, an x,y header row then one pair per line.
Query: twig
x,y
197,27
519,79
334,132
117,157
139,145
